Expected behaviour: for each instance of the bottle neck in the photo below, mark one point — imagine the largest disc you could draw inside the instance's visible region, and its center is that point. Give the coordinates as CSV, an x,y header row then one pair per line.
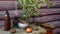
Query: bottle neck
x,y
7,14
15,17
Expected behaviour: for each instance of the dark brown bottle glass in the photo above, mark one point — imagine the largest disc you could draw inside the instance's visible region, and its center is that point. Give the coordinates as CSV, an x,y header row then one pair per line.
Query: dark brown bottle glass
x,y
7,24
15,21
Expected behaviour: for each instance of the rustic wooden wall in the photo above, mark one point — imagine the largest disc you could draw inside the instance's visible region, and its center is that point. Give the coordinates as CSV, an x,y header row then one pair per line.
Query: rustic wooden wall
x,y
46,14
4,5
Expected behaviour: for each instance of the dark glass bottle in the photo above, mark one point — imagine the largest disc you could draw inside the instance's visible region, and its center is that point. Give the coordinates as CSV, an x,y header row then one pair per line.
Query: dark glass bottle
x,y
15,21
7,24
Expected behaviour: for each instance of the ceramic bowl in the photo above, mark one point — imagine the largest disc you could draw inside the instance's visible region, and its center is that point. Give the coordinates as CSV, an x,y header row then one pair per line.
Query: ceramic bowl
x,y
23,25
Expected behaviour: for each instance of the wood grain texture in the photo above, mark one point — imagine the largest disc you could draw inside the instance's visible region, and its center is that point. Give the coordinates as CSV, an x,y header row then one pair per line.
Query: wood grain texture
x,y
9,5
42,12
56,31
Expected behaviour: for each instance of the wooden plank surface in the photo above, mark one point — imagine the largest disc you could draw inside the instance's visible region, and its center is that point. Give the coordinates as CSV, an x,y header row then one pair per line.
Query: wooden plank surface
x,y
43,12
9,5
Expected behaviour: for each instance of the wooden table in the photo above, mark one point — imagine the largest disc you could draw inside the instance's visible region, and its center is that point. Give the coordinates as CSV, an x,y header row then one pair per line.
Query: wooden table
x,y
22,31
